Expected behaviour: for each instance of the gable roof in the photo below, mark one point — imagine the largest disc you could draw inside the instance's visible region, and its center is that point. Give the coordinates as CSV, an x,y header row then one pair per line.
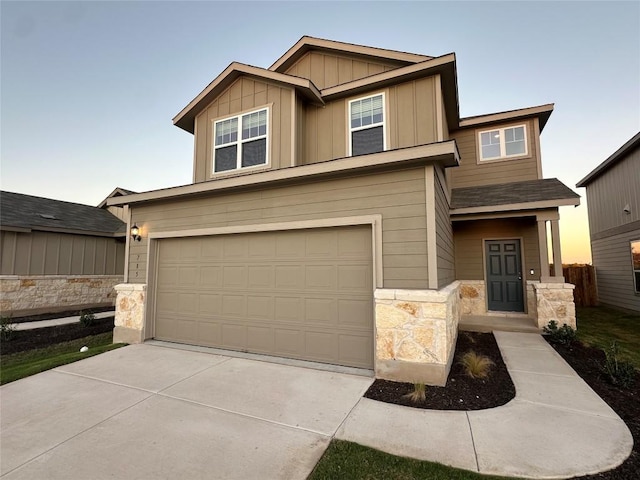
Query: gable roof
x,y
117,192
544,193
543,112
618,155
186,118
307,43
24,213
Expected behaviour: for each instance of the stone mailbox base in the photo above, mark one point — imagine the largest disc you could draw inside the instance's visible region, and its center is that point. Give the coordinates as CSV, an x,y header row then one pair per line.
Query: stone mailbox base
x,y
416,333
129,321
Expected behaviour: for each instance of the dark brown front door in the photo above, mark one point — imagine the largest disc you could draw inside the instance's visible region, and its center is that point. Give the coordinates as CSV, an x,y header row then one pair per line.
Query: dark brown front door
x,y
504,275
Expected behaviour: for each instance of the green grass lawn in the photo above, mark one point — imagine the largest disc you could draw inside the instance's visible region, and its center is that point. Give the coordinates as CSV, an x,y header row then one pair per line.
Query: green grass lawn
x,y
19,365
600,326
350,461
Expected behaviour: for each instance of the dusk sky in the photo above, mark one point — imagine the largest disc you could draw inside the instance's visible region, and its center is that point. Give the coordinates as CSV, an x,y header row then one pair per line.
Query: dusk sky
x,y
88,89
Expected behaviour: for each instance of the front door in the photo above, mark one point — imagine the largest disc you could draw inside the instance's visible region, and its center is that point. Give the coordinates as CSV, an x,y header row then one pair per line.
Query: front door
x,y
504,276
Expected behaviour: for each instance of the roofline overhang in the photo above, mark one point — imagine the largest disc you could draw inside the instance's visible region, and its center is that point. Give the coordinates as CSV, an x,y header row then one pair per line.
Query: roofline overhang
x,y
445,153
543,112
185,119
307,43
118,190
541,205
609,162
38,228
444,65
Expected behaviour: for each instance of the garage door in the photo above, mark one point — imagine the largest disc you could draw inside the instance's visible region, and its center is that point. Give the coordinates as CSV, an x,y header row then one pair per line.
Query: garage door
x,y
304,294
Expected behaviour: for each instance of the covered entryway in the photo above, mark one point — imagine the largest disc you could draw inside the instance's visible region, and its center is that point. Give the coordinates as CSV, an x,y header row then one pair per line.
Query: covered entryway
x,y
504,276
305,294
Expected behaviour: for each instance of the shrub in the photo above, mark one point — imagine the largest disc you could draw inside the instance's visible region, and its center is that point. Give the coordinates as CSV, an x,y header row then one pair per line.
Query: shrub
x,y
476,366
563,335
87,318
619,373
418,394
6,329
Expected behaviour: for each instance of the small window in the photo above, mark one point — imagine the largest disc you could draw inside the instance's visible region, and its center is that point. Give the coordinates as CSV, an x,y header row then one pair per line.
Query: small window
x,y
503,143
635,260
366,125
249,149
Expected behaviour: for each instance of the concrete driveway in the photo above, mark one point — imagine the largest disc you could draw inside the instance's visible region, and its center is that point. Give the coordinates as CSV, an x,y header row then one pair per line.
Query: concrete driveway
x,y
151,412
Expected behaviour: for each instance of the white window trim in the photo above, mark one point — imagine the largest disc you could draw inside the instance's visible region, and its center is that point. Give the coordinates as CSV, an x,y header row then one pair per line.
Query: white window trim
x,y
503,148
636,288
383,123
239,143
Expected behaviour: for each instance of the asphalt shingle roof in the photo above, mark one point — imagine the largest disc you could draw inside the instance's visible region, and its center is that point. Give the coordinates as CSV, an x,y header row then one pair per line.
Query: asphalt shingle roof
x,y
26,211
510,193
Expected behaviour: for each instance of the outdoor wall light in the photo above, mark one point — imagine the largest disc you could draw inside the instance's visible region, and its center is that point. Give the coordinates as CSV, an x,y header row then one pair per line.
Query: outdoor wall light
x,y
135,233
531,272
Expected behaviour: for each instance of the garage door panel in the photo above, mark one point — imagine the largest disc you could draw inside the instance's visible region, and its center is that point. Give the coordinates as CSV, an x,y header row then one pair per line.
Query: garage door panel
x,y
302,294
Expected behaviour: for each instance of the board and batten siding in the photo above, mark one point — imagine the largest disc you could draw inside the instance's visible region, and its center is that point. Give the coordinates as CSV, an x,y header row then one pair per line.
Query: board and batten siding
x,y
468,239
398,196
444,232
614,270
244,95
410,111
47,253
472,173
328,70
608,194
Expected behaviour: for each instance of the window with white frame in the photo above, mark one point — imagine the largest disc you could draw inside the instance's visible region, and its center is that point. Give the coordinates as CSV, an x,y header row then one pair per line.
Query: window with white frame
x,y
366,125
240,141
635,260
503,142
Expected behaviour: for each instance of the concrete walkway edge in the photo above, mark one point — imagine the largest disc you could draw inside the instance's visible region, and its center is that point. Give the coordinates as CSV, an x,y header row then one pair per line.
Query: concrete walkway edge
x,y
555,427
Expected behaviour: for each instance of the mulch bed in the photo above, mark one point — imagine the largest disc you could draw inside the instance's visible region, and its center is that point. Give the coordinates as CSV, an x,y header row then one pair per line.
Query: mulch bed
x,y
22,340
461,391
66,313
587,361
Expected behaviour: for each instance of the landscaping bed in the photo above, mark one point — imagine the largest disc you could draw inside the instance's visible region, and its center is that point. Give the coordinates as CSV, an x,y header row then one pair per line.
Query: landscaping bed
x,y
66,313
461,392
22,340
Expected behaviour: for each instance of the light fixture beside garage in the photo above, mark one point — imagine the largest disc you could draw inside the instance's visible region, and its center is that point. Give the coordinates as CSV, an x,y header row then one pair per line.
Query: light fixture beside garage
x,y
135,233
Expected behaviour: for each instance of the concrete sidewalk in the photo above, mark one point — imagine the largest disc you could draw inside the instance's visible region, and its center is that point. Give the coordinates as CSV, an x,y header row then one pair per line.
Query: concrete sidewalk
x,y
57,321
556,427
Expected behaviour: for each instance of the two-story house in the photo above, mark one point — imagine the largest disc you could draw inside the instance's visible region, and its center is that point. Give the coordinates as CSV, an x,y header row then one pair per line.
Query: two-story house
x,y
613,198
342,212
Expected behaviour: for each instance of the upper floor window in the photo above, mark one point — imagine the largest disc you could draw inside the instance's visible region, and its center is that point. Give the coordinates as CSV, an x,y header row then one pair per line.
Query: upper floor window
x,y
234,150
366,125
503,143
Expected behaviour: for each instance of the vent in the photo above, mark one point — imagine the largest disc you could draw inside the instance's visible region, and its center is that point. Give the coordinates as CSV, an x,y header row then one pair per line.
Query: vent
x,y
47,216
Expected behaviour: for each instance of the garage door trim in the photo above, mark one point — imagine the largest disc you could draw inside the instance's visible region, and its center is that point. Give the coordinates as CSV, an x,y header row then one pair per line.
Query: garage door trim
x,y
152,252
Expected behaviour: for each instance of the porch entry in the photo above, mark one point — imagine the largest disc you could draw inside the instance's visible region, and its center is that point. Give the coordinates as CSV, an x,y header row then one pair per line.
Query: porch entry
x,y
504,275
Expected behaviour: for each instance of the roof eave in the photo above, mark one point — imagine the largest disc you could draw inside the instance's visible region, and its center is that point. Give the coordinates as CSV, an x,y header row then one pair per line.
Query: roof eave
x,y
540,205
543,112
609,162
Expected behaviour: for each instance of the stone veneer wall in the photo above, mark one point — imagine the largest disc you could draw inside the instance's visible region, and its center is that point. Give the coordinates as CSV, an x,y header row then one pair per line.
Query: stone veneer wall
x,y
130,313
24,295
416,333
554,301
473,297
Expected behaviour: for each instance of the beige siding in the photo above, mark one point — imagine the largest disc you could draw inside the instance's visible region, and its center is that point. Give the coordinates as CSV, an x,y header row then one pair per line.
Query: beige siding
x,y
45,253
243,95
608,194
444,232
410,120
614,270
327,70
469,236
398,196
472,173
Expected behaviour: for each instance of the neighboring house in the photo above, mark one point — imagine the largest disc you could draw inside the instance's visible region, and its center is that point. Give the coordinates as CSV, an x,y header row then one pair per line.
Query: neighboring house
x,y
613,200
340,208
57,256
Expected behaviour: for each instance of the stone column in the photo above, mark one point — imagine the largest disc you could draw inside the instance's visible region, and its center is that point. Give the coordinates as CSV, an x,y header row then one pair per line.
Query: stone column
x,y
130,313
554,301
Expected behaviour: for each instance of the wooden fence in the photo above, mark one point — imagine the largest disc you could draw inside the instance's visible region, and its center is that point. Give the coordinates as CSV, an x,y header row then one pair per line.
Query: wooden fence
x,y
584,278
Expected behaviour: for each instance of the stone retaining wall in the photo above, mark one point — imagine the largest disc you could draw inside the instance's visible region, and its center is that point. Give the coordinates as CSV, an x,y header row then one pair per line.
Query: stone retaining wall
x,y
554,301
416,333
25,295
130,313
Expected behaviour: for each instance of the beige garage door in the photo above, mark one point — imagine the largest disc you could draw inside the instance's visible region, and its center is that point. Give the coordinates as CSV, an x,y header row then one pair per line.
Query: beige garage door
x,y
303,294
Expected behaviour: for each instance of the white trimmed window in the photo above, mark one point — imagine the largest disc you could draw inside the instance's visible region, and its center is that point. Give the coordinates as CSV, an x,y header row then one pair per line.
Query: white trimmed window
x,y
366,125
635,260
503,142
235,150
